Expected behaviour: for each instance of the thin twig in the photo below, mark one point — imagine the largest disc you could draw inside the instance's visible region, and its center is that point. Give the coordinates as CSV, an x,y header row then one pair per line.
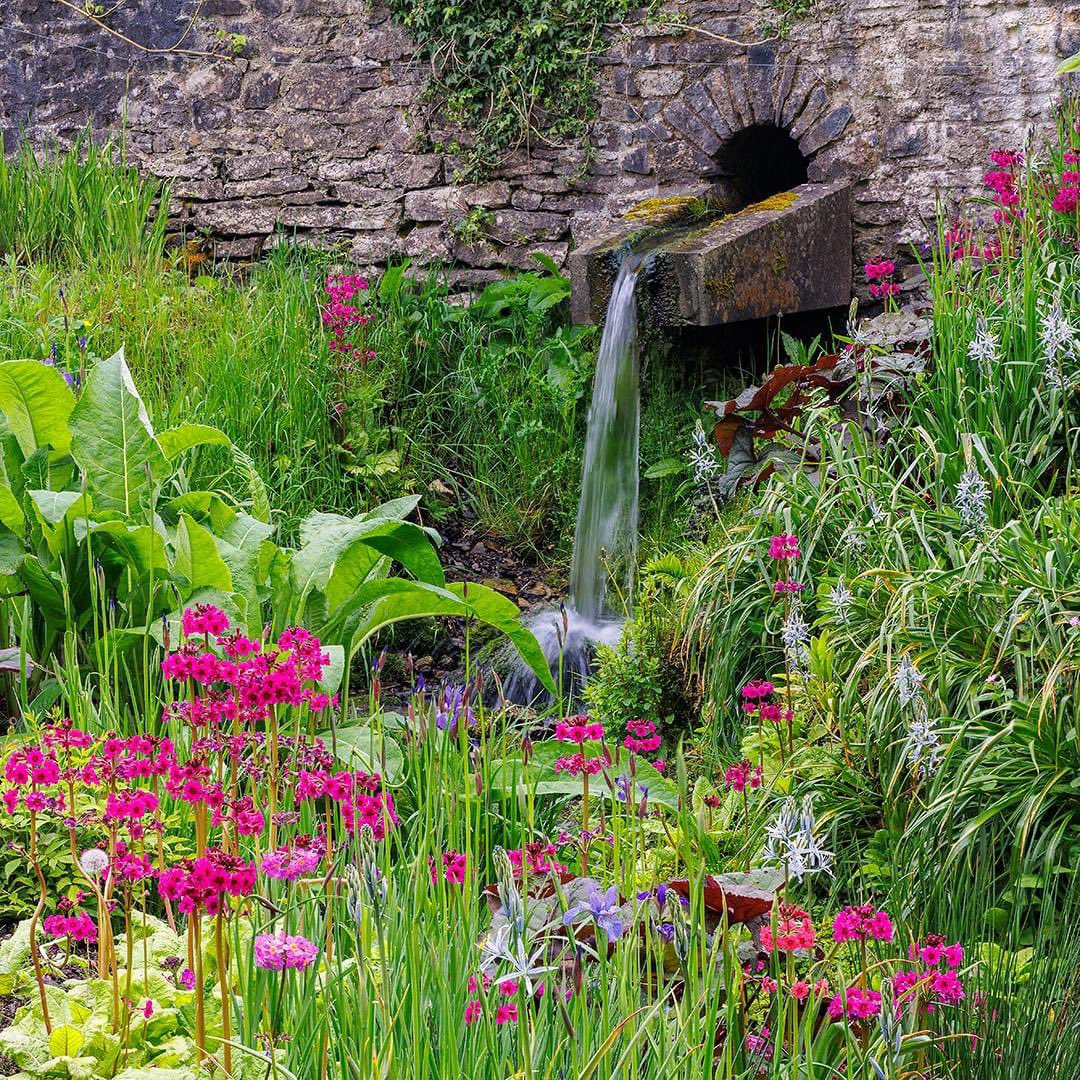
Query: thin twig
x,y
173,49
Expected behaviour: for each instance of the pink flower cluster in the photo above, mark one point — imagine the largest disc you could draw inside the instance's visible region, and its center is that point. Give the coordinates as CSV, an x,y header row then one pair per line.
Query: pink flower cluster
x,y
878,273
788,586
579,764
784,546
578,729
204,619
201,885
276,952
800,989
1002,181
78,927
641,737
250,679
540,857
794,930
755,703
741,775
855,1003
290,863
942,985
862,922
341,316
359,797
1068,194
453,867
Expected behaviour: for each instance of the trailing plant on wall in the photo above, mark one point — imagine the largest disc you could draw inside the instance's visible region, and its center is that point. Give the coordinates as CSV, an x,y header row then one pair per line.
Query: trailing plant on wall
x,y
512,72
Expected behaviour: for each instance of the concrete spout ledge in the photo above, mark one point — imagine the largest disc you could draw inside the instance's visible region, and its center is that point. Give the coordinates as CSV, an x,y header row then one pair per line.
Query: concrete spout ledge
x,y
788,253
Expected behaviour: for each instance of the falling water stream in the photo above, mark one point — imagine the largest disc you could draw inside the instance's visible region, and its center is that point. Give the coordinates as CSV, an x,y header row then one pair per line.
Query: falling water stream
x,y
605,537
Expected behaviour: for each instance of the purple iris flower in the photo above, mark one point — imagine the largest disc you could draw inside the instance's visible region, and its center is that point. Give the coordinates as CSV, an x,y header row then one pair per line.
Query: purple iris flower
x,y
451,708
604,909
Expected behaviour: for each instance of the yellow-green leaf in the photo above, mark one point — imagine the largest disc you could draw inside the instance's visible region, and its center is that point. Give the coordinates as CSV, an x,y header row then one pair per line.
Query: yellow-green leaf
x,y
65,1041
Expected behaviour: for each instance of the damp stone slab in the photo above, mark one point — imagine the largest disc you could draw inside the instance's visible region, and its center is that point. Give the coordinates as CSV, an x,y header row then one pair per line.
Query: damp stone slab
x,y
789,253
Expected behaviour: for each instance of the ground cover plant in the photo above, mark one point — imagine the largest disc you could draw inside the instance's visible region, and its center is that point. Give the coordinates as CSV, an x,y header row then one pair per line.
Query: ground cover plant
x,y
821,817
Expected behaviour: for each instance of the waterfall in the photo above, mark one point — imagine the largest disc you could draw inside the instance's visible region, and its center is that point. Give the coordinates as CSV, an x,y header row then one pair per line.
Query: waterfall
x,y
605,537
606,533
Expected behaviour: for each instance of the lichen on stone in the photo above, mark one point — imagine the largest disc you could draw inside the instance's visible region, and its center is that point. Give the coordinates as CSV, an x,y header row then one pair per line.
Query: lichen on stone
x,y
658,210
781,201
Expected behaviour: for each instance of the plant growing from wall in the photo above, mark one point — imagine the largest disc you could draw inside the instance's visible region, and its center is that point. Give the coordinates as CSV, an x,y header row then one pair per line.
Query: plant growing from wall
x,y
511,72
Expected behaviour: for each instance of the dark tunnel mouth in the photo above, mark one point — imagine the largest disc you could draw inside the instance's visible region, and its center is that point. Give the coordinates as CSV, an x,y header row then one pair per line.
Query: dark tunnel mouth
x,y
760,161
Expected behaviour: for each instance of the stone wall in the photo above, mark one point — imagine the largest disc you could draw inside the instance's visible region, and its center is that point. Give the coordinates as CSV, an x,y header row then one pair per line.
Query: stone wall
x,y
319,127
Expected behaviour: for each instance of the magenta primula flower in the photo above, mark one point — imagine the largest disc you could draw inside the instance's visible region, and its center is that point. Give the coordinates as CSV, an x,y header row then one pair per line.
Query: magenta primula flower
x,y
794,930
454,865
741,775
784,546
506,1014
204,619
288,864
855,1003
277,952
862,922
578,729
78,927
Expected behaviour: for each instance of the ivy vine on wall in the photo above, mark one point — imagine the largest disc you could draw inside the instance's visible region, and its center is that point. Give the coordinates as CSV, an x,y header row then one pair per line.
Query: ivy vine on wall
x,y
511,72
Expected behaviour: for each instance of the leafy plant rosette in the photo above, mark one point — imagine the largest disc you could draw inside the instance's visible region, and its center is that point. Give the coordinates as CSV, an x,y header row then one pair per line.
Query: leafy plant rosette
x,y
105,544
83,1041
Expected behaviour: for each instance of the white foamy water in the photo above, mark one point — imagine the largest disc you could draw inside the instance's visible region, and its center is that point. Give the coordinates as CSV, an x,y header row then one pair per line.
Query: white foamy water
x,y
605,536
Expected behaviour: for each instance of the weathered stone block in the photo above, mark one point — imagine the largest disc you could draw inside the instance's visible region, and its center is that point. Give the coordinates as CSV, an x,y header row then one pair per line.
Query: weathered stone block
x,y
261,90
748,265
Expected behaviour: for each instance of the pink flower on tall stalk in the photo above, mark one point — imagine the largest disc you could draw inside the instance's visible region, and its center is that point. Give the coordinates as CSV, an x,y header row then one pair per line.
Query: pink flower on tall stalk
x,y
288,864
641,737
578,729
204,619
741,775
794,930
578,764
784,546
855,1003
277,952
506,1014
453,864
862,922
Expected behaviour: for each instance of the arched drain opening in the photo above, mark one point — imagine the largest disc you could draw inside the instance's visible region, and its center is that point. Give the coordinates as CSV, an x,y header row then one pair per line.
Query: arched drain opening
x,y
760,161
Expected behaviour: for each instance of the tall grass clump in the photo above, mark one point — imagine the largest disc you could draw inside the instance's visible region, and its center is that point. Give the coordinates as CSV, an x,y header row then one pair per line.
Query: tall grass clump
x,y
81,204
932,634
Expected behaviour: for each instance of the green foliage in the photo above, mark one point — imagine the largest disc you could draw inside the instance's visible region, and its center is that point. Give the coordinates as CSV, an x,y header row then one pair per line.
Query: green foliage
x,y
105,539
626,686
511,72
488,398
642,677
82,204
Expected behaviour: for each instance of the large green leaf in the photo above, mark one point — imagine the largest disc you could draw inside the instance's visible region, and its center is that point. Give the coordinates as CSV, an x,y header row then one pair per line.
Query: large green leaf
x,y
362,746
53,506
196,558
44,588
11,513
498,611
339,553
37,404
112,439
142,547
11,552
416,599
178,439
55,509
